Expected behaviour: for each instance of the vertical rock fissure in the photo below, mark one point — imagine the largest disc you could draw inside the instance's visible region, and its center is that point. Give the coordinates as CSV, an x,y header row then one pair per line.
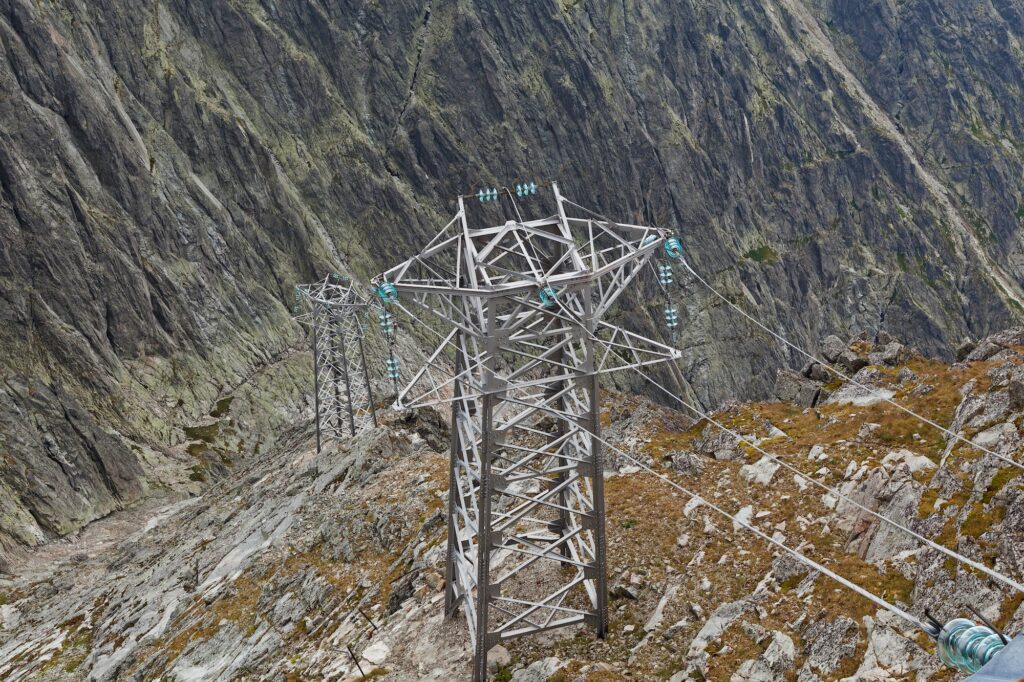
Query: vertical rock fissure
x,y
421,42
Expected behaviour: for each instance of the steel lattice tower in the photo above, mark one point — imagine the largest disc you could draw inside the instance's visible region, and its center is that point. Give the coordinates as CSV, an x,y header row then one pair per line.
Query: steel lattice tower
x,y
519,369
343,394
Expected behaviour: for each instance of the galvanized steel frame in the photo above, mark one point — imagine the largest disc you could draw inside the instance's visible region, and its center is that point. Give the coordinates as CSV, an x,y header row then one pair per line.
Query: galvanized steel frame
x,y
343,390
526,518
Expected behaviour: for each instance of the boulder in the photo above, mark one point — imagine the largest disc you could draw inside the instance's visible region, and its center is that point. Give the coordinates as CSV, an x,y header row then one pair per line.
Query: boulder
x,y
400,592
498,657
1015,389
816,371
760,472
376,653
674,629
851,362
539,671
828,643
786,567
621,591
891,355
771,665
984,351
744,515
965,349
654,621
714,442
832,347
915,463
724,616
687,463
793,387
906,374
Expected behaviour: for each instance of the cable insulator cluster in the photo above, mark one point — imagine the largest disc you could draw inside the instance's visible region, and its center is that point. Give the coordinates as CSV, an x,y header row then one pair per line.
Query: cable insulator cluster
x,y
665,274
387,324
671,316
387,292
485,195
526,189
673,248
392,365
967,646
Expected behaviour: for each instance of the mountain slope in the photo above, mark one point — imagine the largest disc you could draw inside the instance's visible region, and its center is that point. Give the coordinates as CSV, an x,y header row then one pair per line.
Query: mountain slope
x,y
275,572
169,169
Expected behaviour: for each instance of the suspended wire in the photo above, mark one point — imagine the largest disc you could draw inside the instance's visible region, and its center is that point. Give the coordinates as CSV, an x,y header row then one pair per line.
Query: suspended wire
x,y
515,205
828,367
1009,582
877,394
878,601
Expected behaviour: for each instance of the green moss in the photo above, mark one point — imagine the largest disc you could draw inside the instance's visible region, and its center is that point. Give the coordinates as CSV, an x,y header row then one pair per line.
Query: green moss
x,y
980,520
204,433
1020,212
197,474
1002,477
792,581
927,505
627,523
762,254
897,588
222,407
196,449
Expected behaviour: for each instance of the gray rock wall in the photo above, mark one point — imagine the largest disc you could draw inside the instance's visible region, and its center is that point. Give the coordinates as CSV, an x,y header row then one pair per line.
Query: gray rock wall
x,y
169,170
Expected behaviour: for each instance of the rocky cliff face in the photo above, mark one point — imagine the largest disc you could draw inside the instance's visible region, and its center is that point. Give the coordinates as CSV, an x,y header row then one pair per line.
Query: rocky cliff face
x,y
169,169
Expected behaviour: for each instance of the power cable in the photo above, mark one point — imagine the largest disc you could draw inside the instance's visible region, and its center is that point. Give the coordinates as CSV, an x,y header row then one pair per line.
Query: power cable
x,y
828,367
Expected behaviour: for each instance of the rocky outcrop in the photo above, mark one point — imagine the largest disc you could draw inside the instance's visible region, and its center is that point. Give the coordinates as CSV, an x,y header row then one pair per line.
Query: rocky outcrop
x,y
68,470
808,386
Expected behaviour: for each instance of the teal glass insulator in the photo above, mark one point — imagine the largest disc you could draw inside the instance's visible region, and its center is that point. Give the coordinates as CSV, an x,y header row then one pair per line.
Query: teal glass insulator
x,y
548,297
674,248
387,292
671,316
950,647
